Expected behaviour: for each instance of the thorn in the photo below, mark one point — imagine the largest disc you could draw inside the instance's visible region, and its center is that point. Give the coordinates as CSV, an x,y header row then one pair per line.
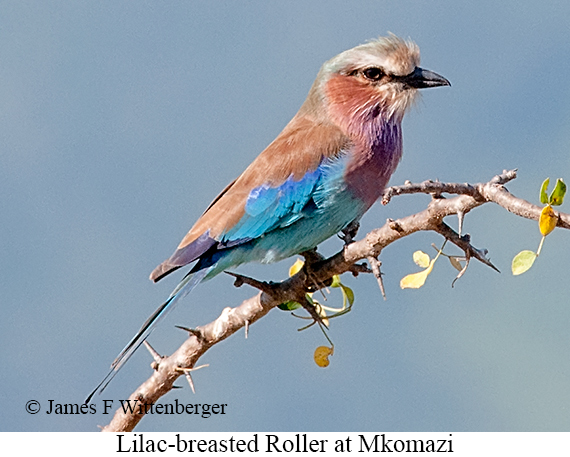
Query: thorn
x,y
482,256
177,387
192,331
375,266
460,216
464,243
190,381
187,372
246,328
479,254
155,355
268,288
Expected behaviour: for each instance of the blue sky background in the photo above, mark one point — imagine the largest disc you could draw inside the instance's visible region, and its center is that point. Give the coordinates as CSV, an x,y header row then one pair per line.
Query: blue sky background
x,y
121,121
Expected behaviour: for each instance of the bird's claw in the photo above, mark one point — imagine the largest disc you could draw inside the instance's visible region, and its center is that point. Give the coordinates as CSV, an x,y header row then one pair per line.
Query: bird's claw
x,y
311,257
349,232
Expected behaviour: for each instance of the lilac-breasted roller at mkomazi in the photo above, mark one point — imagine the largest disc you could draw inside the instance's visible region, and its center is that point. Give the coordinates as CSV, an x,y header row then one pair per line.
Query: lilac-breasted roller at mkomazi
x,y
322,173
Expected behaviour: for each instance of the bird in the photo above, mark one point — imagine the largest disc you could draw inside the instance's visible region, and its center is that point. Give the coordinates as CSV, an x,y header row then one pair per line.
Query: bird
x,y
326,168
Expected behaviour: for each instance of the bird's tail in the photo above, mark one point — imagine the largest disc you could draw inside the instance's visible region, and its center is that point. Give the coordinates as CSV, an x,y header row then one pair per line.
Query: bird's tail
x,y
185,286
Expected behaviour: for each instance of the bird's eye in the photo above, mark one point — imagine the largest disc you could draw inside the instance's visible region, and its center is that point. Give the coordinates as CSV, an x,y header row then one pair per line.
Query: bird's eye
x,y
373,73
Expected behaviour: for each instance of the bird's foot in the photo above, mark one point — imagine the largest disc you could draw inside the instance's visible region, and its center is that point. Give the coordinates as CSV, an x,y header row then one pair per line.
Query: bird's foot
x,y
312,259
349,232
312,256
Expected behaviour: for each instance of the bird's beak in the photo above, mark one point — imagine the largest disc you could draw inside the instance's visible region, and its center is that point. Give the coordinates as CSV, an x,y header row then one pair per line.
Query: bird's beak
x,y
420,79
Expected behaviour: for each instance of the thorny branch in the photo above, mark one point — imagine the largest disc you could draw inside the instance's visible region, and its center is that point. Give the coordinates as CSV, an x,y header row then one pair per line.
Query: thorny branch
x,y
468,197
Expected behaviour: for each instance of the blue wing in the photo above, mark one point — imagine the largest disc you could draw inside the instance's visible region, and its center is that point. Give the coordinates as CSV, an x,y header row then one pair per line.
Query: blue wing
x,y
268,208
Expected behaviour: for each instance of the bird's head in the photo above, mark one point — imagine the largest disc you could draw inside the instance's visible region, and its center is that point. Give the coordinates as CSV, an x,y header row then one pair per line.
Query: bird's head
x,y
376,80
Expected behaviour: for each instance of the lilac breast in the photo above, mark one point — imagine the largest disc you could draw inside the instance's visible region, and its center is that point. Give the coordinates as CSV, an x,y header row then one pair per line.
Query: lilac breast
x,y
375,155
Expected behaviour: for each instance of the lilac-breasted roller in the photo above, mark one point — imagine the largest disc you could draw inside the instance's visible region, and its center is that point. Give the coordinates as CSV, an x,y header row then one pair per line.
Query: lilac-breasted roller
x,y
322,173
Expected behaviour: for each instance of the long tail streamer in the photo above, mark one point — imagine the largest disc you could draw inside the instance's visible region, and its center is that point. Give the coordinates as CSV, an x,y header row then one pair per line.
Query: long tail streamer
x,y
184,288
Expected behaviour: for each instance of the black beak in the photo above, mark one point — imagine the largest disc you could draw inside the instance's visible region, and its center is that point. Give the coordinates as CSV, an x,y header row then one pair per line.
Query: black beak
x,y
420,79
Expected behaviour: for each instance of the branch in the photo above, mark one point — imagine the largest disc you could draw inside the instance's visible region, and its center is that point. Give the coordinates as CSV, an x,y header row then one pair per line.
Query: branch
x,y
468,197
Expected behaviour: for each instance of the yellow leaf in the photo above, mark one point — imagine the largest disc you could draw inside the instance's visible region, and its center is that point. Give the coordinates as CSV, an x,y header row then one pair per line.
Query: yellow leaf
x,y
417,280
322,354
296,267
548,220
522,262
421,259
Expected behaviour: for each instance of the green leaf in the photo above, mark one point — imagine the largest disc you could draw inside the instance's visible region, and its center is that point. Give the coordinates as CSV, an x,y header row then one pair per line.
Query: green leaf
x,y
348,294
543,195
289,305
336,281
557,195
522,262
